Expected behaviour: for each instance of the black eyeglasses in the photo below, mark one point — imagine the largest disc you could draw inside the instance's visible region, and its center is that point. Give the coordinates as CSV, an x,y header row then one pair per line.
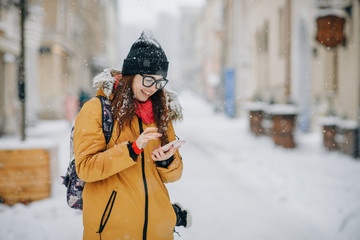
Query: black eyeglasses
x,y
148,81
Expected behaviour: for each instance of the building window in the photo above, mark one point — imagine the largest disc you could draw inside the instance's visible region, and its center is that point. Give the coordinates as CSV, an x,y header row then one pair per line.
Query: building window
x,y
262,38
266,36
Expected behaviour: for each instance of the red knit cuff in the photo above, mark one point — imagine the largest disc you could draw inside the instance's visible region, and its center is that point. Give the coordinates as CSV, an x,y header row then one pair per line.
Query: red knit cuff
x,y
136,149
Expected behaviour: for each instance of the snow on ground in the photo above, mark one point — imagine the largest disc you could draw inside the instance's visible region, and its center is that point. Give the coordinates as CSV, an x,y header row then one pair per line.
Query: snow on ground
x,y
236,185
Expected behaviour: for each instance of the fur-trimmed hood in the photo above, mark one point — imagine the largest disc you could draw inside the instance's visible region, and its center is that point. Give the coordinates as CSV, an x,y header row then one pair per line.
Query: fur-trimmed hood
x,y
105,81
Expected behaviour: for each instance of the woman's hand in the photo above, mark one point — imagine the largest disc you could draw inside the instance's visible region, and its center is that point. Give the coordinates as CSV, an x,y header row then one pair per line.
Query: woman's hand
x,y
148,134
159,155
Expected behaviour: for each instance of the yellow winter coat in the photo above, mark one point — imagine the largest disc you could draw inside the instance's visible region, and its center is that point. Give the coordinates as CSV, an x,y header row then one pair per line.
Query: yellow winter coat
x,y
128,197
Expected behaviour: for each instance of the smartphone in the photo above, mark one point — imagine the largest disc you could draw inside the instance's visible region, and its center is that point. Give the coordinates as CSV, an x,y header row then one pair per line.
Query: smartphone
x,y
176,143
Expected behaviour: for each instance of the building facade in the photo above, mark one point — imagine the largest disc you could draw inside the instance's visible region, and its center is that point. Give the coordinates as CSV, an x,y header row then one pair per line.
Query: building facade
x,y
67,42
9,51
269,51
78,41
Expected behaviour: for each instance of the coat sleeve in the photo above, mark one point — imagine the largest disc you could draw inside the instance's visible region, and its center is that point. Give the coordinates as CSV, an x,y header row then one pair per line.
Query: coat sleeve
x,y
174,171
93,162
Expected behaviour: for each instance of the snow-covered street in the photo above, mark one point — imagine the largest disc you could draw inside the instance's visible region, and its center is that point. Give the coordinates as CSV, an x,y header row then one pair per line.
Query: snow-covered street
x,y
236,185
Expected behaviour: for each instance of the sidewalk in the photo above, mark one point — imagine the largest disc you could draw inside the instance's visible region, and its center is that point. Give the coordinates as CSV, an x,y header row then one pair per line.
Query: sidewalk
x,y
239,186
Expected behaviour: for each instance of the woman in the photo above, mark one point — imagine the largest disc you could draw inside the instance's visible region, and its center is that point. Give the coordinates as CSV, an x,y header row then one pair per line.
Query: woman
x,y
124,195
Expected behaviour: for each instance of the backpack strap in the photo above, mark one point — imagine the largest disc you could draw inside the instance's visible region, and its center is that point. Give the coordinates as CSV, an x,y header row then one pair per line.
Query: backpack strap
x,y
107,121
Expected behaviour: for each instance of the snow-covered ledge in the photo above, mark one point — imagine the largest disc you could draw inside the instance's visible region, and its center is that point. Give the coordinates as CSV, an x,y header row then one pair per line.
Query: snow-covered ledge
x,y
341,123
282,109
256,106
13,142
328,121
348,124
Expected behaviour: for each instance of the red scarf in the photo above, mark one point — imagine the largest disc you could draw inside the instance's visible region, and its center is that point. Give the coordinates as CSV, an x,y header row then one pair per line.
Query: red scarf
x,y
145,111
118,78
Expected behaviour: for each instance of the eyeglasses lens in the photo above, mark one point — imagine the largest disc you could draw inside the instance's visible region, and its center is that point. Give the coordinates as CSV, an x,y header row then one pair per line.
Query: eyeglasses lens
x,y
149,81
160,84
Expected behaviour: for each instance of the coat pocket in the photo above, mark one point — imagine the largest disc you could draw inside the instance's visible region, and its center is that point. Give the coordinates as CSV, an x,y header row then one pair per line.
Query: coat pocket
x,y
107,212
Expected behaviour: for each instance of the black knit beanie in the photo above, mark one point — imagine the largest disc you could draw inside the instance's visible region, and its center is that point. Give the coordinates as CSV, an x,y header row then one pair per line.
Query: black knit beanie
x,y
146,57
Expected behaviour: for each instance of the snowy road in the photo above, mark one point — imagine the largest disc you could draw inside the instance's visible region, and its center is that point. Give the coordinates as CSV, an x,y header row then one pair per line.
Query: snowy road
x,y
237,186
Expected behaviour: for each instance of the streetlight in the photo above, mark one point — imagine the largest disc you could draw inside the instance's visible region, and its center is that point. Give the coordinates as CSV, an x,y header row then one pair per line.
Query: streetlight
x,y
23,11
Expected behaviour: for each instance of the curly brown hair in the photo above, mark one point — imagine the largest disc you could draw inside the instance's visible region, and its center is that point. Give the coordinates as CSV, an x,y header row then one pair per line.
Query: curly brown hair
x,y
123,107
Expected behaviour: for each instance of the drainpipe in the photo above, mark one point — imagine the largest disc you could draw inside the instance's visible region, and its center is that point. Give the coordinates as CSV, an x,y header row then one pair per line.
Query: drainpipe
x,y
357,149
288,50
223,53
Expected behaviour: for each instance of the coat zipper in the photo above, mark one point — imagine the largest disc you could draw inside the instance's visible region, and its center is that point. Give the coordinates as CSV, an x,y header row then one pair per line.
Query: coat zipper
x,y
145,187
103,219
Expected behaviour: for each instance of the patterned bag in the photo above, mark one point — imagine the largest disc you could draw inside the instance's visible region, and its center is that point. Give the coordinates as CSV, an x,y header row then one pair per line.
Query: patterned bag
x,y
71,181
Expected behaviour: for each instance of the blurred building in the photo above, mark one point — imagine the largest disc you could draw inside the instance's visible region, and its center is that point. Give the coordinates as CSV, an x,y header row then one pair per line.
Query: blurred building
x,y
9,50
79,40
278,52
189,67
67,43
209,54
235,56
166,32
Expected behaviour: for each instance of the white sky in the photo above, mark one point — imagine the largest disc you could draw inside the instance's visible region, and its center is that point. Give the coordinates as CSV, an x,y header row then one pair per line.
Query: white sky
x,y
144,12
